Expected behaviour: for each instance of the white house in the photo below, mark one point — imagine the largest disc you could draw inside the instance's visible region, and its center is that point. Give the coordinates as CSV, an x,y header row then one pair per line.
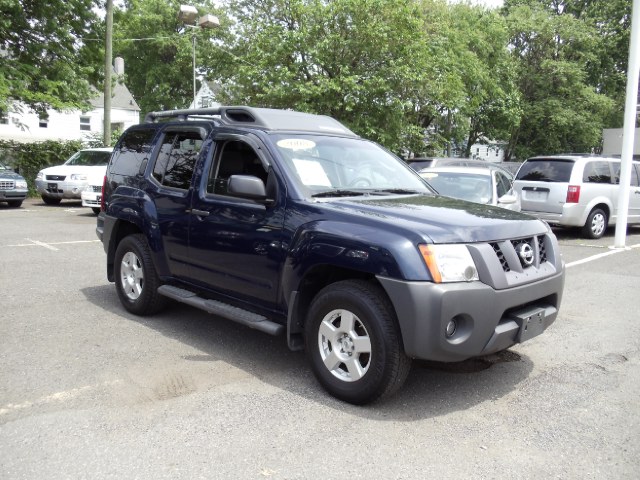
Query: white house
x,y
206,96
22,125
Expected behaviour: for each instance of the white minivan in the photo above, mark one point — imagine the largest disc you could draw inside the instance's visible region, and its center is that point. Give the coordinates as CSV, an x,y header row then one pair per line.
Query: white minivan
x,y
576,191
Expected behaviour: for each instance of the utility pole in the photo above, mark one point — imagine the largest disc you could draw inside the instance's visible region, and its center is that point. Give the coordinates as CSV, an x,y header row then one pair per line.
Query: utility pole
x,y
108,68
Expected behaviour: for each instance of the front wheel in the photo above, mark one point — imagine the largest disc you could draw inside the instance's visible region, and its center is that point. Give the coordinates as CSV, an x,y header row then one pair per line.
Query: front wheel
x,y
96,210
596,224
136,279
353,343
15,203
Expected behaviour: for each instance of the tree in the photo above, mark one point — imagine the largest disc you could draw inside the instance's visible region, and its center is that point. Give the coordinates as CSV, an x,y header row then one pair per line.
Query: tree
x,y
157,50
561,112
43,53
365,62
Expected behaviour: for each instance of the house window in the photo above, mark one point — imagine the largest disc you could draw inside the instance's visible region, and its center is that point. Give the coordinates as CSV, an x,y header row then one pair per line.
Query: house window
x,y
43,121
85,123
4,118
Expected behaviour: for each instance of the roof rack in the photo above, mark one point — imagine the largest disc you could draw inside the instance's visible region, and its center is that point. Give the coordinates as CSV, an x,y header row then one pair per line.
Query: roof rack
x,y
267,118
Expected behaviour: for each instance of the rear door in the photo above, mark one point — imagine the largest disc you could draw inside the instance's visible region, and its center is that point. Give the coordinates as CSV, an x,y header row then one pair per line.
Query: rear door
x,y
542,184
634,191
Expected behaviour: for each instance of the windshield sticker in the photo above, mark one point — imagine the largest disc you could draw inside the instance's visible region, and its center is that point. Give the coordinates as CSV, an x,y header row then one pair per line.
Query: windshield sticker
x,y
311,173
296,144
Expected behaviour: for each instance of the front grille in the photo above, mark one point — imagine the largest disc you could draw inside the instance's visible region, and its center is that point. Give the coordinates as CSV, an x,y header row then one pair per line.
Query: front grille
x,y
96,188
521,254
56,177
7,184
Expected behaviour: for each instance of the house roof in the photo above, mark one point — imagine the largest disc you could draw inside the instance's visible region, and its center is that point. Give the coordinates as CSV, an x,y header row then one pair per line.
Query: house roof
x,y
120,98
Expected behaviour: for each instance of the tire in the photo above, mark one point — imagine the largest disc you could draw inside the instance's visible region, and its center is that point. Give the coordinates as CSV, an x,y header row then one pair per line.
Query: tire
x,y
596,225
136,279
15,203
353,342
96,210
51,200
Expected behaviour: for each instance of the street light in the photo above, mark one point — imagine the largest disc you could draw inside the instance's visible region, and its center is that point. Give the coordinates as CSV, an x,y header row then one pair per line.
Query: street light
x,y
188,15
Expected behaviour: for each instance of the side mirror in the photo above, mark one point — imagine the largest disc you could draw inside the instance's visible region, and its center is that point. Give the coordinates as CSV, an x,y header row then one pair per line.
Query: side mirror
x,y
247,186
507,199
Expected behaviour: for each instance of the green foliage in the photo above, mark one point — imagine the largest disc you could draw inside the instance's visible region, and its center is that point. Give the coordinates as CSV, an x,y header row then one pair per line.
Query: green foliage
x,y
43,64
30,158
157,50
562,112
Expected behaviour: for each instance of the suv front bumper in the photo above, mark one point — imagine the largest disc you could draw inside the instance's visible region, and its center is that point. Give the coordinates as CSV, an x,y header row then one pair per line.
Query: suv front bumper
x,y
486,320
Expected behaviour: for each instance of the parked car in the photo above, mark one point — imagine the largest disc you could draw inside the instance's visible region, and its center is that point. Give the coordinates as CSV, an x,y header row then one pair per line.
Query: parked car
x,y
576,191
291,224
13,187
67,181
490,186
421,163
92,194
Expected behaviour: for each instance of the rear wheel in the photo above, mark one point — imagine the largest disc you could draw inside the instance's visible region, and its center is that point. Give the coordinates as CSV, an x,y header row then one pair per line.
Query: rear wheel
x,y
136,279
51,200
596,224
353,342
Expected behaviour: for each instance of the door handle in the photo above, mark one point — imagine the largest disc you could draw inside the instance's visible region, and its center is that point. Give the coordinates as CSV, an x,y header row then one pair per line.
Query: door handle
x,y
199,213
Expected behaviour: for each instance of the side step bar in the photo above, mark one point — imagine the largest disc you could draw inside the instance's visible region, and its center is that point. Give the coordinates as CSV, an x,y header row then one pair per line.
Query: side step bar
x,y
229,312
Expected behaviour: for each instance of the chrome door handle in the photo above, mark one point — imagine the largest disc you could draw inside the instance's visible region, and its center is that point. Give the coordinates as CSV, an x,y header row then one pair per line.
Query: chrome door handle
x,y
199,213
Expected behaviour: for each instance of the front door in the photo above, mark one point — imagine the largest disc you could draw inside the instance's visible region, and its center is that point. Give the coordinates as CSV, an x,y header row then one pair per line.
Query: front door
x,y
236,244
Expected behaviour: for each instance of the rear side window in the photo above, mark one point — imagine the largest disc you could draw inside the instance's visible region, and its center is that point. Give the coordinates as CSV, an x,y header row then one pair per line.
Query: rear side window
x,y
546,170
597,172
177,158
134,147
635,172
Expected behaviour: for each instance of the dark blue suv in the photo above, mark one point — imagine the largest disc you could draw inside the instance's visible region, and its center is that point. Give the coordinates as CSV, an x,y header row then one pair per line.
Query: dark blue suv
x,y
291,224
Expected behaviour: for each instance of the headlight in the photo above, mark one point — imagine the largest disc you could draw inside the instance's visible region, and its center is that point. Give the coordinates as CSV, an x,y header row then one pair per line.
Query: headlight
x,y
449,263
39,176
77,176
21,184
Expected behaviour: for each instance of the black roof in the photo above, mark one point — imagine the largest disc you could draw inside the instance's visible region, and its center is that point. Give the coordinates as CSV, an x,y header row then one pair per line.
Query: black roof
x,y
265,118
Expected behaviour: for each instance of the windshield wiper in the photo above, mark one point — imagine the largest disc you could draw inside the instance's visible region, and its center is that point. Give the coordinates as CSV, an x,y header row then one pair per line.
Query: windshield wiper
x,y
399,191
340,193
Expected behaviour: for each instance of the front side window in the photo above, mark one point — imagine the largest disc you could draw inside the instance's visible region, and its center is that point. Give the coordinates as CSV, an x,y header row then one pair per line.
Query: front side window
x,y
177,158
503,184
234,157
597,172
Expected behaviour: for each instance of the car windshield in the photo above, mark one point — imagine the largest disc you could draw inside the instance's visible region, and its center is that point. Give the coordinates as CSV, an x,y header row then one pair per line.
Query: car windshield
x,y
327,166
465,186
89,158
3,166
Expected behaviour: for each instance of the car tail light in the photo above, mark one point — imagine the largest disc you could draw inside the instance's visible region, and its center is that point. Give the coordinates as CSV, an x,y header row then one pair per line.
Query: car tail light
x,y
573,194
104,182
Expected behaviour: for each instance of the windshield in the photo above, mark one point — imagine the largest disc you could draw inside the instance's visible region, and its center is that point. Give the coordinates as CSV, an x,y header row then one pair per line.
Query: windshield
x,y
89,158
3,166
328,166
470,187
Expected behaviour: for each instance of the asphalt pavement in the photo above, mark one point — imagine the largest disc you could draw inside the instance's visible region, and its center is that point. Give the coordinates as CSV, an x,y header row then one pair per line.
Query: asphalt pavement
x,y
89,391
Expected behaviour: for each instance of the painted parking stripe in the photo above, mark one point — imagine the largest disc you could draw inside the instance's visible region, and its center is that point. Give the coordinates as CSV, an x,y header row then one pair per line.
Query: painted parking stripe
x,y
601,255
50,245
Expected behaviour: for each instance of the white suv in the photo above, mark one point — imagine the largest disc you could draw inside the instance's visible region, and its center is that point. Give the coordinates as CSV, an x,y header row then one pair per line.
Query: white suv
x,y
71,178
576,191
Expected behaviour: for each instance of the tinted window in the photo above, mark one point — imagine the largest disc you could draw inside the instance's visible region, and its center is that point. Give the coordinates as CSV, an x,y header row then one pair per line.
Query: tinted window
x,y
597,172
176,159
635,173
503,184
546,170
132,149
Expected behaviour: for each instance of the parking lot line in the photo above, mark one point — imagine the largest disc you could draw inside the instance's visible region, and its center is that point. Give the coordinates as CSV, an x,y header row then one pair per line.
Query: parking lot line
x,y
601,255
50,245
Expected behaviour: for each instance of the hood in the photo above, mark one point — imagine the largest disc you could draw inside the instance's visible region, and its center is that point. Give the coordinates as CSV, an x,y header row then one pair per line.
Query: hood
x,y
89,170
441,219
10,174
